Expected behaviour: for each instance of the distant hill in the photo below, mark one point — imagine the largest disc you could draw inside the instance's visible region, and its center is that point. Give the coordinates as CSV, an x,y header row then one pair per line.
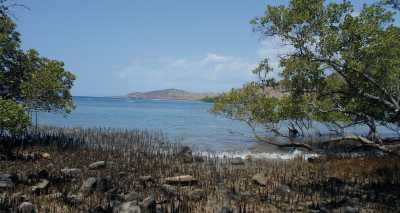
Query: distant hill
x,y
170,94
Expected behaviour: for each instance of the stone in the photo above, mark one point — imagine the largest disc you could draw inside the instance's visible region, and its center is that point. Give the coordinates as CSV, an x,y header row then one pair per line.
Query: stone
x,y
8,180
41,186
181,180
74,199
6,183
185,154
335,181
346,209
225,210
88,185
45,155
128,207
98,165
103,184
284,189
26,207
149,204
73,172
43,174
260,179
237,161
197,194
18,197
98,209
248,157
132,196
146,178
169,190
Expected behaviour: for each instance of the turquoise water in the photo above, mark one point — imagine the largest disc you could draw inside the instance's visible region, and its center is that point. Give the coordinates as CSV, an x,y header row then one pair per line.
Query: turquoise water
x,y
187,122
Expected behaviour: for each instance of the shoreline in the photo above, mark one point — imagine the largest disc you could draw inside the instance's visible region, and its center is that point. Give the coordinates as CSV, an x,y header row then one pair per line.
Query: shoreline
x,y
99,170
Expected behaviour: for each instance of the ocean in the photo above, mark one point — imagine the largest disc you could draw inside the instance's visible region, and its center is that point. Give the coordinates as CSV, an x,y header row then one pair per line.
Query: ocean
x,y
186,122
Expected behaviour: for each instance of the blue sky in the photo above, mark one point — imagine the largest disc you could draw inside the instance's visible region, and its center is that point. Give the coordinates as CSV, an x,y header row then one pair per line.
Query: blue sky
x,y
120,46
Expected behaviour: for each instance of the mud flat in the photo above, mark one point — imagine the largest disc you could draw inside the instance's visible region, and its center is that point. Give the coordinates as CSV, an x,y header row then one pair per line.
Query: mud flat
x,y
108,170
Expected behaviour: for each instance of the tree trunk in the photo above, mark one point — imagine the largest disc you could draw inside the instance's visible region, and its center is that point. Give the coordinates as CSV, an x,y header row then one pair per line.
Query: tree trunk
x,y
373,133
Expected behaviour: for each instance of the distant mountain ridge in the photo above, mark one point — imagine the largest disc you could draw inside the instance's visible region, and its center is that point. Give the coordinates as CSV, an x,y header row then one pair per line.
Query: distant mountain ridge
x,y
170,94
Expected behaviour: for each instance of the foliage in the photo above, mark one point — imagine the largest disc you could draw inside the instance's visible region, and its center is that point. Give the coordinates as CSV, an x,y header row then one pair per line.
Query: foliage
x,y
12,117
27,80
344,69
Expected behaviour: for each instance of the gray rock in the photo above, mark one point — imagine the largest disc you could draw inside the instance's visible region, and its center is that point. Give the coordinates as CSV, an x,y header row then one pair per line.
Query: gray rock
x,y
346,209
260,179
41,186
74,172
74,199
98,165
88,185
169,190
146,178
237,161
283,189
149,204
26,207
6,183
100,184
225,210
7,180
128,207
197,194
103,184
181,180
185,154
132,196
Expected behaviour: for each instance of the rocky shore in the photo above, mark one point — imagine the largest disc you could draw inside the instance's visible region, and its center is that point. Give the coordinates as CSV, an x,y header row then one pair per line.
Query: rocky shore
x,y
103,170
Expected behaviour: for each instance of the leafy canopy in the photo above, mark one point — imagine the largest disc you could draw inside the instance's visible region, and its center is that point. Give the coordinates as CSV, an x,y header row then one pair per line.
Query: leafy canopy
x,y
344,69
28,81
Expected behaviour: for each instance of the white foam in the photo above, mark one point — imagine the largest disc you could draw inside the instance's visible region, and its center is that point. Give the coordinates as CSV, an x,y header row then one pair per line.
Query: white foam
x,y
262,155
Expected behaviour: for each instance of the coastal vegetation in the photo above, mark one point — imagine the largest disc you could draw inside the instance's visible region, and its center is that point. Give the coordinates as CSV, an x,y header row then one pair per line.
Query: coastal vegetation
x,y
28,81
111,170
341,70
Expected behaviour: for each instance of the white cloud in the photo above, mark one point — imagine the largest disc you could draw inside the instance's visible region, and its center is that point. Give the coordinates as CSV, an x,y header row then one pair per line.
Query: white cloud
x,y
212,72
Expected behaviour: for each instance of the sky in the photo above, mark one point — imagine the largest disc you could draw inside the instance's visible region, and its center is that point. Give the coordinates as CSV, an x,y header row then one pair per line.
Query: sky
x,y
120,46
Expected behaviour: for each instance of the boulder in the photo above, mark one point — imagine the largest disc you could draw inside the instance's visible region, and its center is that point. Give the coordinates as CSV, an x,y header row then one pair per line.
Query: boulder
x,y
45,155
149,204
169,190
346,209
146,179
26,207
98,165
132,196
74,199
88,185
197,194
73,172
41,186
103,184
7,180
225,210
100,184
181,180
284,189
6,183
185,154
237,161
128,207
260,179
